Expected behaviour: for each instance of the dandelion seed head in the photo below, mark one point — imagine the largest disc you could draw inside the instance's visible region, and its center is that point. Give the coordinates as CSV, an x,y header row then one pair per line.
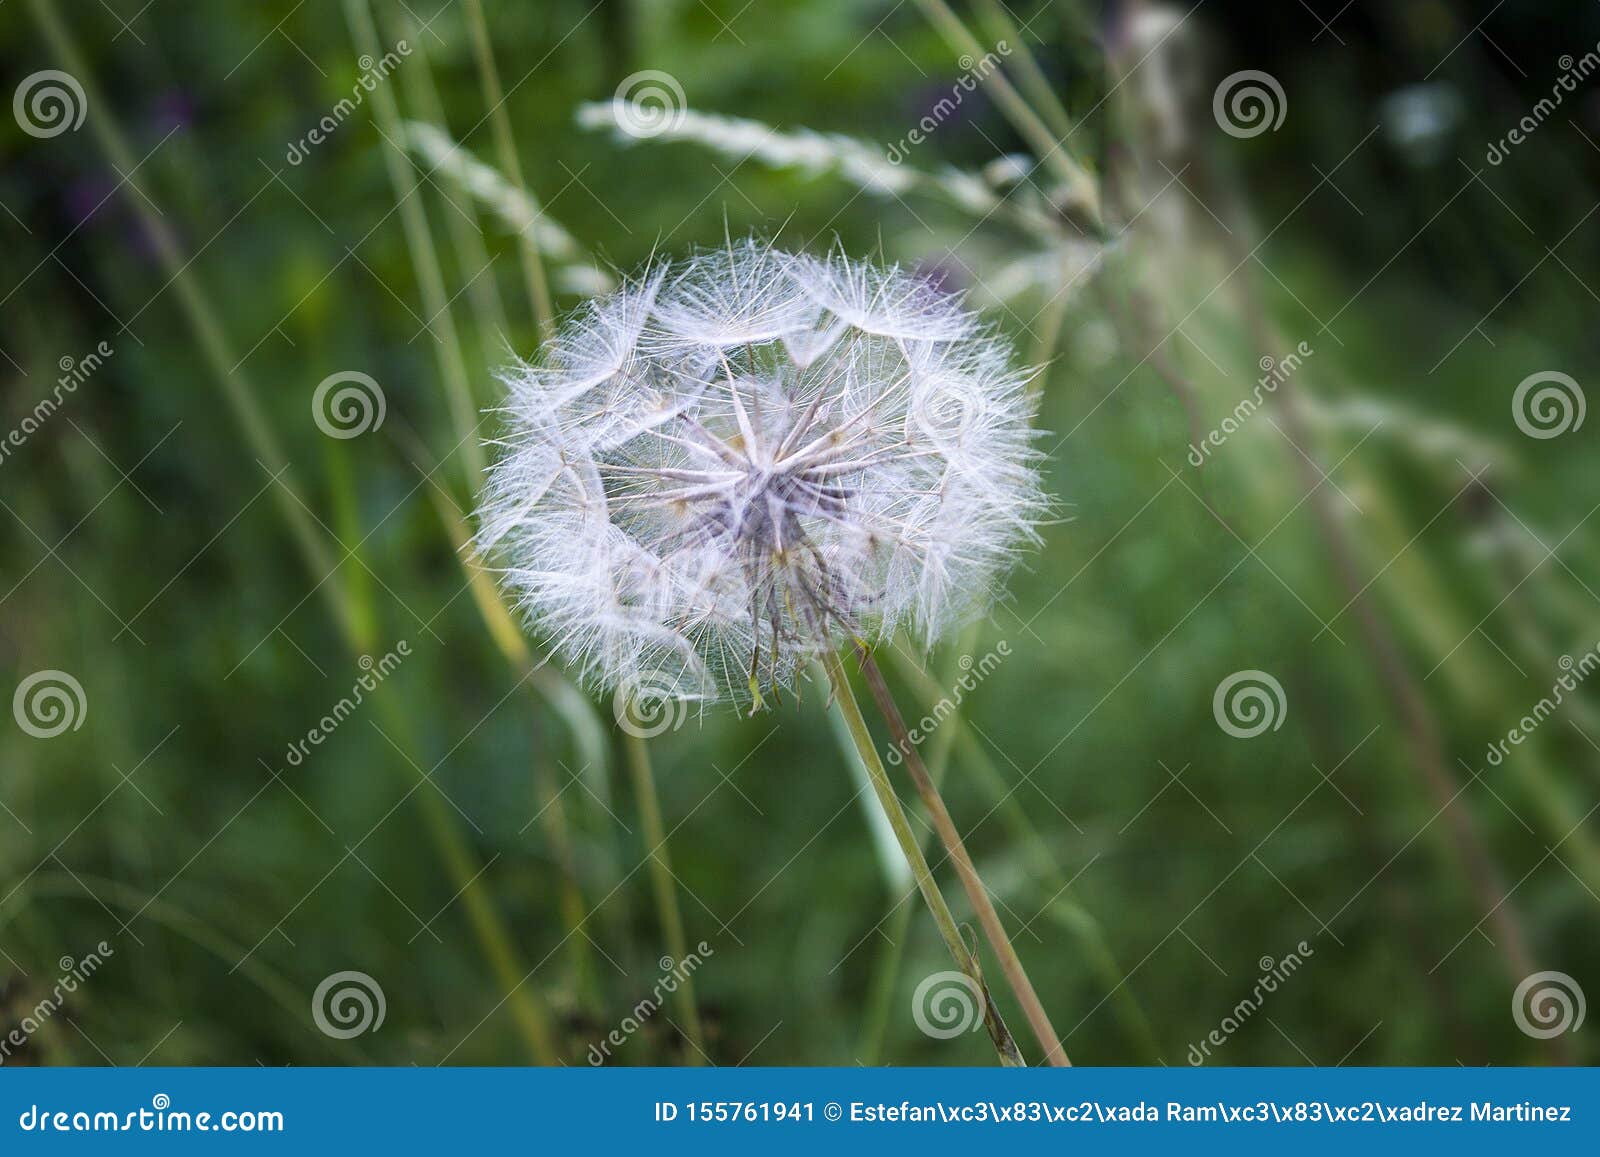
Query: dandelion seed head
x,y
732,465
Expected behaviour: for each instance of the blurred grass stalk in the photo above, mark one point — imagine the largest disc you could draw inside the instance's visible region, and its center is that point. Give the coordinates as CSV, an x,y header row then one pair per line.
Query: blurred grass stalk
x,y
965,959
501,626
463,410
664,884
466,233
1048,147
506,145
528,1007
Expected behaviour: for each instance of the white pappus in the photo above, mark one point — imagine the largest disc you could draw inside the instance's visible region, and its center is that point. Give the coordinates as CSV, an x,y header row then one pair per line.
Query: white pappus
x,y
727,467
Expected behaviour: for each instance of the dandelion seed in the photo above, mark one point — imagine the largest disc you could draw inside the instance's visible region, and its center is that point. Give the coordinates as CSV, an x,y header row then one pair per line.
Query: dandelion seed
x,y
729,468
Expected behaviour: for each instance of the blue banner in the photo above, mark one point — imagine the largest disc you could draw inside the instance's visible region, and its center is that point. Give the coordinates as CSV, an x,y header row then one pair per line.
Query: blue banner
x,y
792,1110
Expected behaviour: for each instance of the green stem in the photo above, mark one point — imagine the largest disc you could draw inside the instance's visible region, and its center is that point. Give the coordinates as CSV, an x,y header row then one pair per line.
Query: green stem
x,y
466,233
506,146
440,324
971,883
241,398
886,975
1041,140
963,956
1063,908
1003,28
664,883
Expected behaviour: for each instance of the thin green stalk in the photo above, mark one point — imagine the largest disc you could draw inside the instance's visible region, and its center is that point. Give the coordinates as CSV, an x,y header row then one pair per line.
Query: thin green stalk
x,y
506,146
574,911
483,289
290,999
666,892
886,975
1063,908
241,398
197,310
424,257
963,956
1003,28
1044,144
1010,963
885,980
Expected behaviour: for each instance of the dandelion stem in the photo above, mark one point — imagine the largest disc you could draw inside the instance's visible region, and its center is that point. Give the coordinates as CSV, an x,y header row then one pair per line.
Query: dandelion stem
x,y
964,957
661,877
988,918
1062,907
899,918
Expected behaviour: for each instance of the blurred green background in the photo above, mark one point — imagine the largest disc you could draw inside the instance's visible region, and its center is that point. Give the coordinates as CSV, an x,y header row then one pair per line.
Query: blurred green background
x,y
1395,537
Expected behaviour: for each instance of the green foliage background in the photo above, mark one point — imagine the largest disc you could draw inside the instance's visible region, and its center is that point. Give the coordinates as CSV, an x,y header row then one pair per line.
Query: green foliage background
x,y
144,549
